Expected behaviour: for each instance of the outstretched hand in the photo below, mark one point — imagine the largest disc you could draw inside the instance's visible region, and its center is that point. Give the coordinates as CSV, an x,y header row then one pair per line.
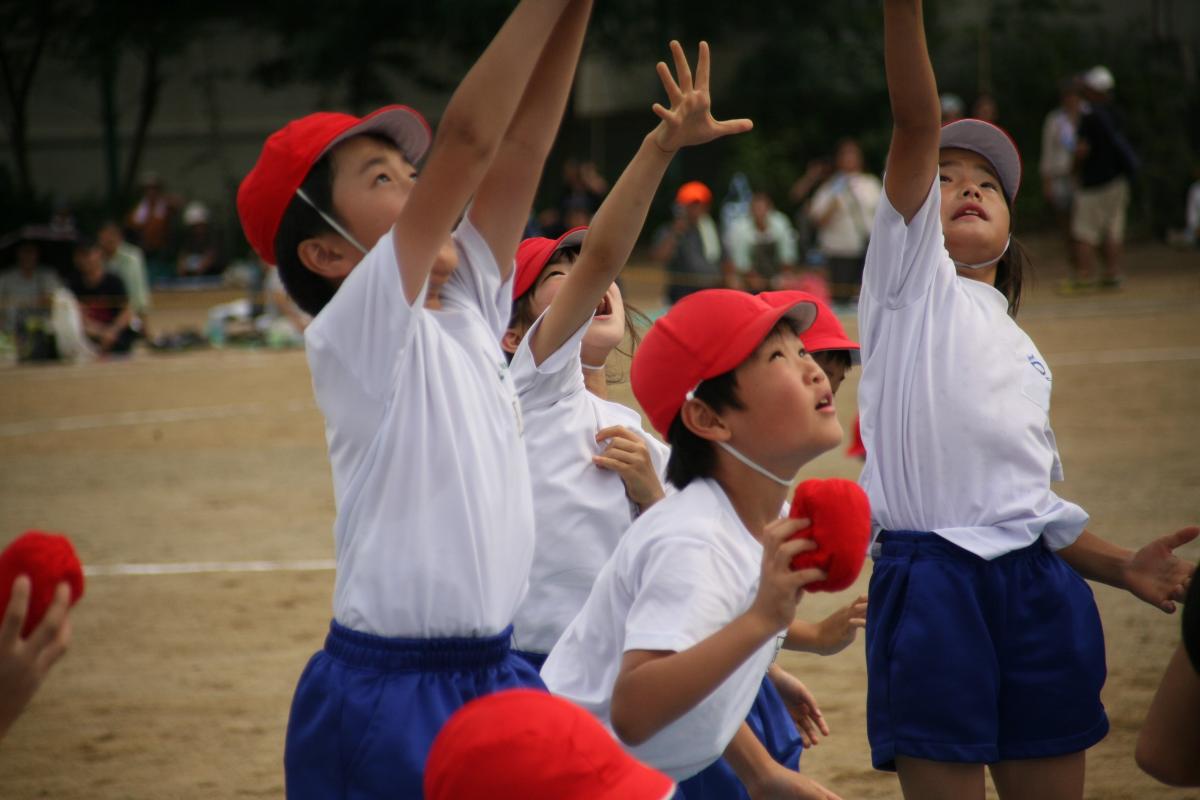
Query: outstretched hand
x,y
25,662
1158,576
801,705
838,631
689,120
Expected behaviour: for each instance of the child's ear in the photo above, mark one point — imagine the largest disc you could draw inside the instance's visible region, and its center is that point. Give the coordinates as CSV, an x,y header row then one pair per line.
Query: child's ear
x,y
328,255
512,340
699,418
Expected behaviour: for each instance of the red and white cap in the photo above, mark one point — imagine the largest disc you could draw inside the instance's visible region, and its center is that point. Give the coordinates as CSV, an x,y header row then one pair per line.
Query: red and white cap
x,y
521,743
533,254
291,151
826,331
704,335
993,143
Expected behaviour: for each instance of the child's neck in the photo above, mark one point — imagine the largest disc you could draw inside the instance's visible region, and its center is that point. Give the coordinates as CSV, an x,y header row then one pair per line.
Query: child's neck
x,y
757,499
596,382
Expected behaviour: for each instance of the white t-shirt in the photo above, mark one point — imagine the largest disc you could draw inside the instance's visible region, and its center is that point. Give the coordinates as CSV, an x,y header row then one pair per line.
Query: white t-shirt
x,y
1058,145
580,510
853,199
434,531
685,569
954,400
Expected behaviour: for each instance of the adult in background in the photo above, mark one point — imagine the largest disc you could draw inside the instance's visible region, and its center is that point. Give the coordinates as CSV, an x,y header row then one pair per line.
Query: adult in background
x,y
103,301
127,262
25,288
1057,167
843,211
985,108
690,247
1106,162
761,244
200,253
151,225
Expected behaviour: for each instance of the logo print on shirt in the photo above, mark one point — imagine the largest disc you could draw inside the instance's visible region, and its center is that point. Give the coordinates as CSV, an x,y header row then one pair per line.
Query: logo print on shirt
x,y
1038,365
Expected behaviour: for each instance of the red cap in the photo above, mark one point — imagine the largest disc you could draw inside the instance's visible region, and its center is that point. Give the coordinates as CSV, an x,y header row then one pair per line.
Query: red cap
x,y
993,143
521,743
693,192
826,332
533,255
291,151
704,335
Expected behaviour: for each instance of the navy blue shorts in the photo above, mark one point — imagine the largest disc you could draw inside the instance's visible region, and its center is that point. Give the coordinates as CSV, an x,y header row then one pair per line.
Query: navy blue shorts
x,y
367,708
774,727
535,660
980,661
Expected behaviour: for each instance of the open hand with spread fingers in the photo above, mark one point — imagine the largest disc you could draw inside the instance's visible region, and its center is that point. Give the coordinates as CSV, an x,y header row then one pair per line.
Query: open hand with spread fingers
x,y
689,120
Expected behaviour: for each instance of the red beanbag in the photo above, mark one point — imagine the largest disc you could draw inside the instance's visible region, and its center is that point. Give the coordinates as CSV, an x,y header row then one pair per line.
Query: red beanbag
x,y
841,527
48,559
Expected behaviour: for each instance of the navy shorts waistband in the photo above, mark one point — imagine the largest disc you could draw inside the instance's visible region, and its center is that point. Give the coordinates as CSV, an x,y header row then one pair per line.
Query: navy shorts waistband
x,y
926,544
394,654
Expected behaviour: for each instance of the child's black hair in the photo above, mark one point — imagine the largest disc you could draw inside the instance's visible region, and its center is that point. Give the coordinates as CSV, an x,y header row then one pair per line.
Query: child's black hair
x,y
1012,267
691,456
837,357
300,221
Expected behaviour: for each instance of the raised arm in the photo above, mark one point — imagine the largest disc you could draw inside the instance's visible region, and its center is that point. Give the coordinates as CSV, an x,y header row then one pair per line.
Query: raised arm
x,y
912,161
501,207
468,137
619,220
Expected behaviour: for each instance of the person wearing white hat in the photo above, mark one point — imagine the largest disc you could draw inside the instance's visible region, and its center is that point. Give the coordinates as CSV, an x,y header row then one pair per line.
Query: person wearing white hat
x,y
984,644
1106,162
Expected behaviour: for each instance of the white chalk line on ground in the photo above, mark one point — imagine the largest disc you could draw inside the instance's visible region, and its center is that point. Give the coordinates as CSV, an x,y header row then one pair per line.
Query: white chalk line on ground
x,y
149,417
207,567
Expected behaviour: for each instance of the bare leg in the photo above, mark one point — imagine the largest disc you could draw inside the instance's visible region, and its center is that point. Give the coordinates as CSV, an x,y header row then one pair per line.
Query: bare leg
x,y
1058,778
921,779
1112,256
1085,258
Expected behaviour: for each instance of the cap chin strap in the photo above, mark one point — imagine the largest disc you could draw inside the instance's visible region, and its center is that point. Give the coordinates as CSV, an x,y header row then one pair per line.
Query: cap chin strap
x,y
345,234
728,448
761,470
983,264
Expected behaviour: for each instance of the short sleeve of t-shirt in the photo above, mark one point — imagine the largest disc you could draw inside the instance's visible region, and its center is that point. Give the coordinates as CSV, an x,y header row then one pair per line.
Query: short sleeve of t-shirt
x,y
903,260
475,285
367,324
685,590
541,385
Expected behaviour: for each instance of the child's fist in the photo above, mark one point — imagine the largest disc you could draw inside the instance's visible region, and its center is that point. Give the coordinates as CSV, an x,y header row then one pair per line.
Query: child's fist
x,y
48,559
841,527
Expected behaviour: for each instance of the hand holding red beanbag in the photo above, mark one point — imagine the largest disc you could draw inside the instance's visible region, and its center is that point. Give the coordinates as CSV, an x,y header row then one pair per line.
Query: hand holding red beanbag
x,y
48,559
840,525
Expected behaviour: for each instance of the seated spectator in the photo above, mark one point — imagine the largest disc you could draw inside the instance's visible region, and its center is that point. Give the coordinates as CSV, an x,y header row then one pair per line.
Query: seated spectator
x,y
103,301
762,244
151,224
128,263
690,247
25,288
200,253
843,210
522,743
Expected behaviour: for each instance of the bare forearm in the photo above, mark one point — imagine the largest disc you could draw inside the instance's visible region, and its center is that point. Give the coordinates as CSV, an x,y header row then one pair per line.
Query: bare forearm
x,y
803,636
916,114
610,242
660,689
748,757
1098,559
506,193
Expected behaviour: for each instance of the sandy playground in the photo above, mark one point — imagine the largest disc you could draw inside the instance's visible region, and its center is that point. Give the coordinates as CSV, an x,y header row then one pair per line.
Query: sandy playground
x,y
178,683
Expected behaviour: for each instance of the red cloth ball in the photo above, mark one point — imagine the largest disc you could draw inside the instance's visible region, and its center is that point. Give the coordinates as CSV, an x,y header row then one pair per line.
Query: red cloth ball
x,y
48,559
841,527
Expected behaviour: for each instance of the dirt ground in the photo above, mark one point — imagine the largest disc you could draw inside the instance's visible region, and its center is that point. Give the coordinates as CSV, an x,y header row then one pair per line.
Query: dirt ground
x,y
178,685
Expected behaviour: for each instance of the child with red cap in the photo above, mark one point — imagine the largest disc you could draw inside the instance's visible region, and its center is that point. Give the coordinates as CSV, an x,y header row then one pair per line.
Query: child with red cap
x,y
434,530
670,649
593,469
520,744
983,642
